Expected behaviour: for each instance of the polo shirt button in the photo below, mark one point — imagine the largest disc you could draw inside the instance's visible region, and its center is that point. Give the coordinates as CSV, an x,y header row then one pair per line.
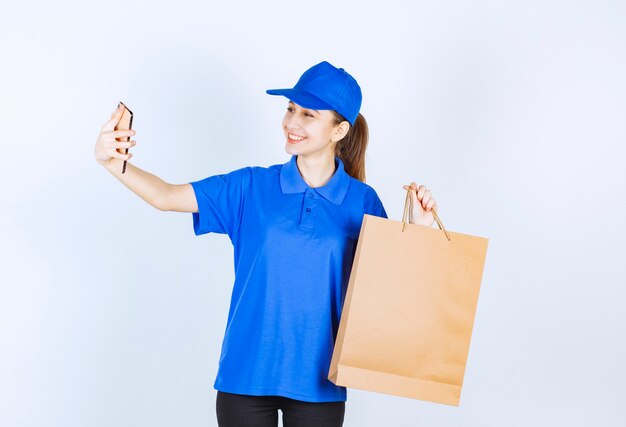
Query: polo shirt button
x,y
311,195
308,209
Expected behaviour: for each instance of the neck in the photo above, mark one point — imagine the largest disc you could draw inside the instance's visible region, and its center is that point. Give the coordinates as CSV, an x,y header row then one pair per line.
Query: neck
x,y
316,171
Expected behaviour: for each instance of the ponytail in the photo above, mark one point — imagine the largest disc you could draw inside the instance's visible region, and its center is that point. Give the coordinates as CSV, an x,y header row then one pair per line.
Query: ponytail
x,y
351,149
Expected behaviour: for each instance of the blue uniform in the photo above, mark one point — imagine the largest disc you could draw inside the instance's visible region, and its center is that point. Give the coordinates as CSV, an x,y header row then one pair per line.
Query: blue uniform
x,y
293,249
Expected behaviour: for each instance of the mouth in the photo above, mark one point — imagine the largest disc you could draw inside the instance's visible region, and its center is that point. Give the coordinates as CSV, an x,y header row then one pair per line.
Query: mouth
x,y
295,139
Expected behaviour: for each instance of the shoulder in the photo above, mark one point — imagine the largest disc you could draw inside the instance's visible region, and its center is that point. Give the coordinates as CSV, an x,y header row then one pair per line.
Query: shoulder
x,y
241,177
248,173
366,197
265,170
263,175
363,191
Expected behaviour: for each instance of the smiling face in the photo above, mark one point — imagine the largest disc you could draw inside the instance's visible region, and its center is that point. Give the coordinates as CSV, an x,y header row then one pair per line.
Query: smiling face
x,y
311,131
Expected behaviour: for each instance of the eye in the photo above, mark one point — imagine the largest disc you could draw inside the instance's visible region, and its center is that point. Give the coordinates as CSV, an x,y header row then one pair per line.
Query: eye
x,y
306,114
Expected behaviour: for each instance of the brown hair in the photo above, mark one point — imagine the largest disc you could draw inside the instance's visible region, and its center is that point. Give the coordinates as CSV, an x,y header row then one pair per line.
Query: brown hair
x,y
351,149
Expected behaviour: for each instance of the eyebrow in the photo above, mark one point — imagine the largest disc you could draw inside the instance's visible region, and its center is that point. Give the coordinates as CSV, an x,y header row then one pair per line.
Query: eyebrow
x,y
291,102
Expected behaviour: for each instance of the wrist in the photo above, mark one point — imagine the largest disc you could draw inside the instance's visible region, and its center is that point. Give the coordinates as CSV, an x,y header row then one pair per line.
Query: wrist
x,y
105,163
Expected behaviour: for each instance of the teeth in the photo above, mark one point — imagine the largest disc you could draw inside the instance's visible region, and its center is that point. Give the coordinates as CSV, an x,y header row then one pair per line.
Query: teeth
x,y
296,138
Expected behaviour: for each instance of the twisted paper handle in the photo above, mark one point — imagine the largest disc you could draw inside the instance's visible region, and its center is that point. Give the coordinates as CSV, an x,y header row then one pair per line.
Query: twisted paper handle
x,y
408,204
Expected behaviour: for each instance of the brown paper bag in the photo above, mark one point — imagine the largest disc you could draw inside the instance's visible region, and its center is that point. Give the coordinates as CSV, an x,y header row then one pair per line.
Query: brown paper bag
x,y
409,310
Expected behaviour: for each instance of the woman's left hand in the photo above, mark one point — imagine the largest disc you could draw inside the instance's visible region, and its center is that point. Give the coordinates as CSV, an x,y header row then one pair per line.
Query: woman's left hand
x,y
423,204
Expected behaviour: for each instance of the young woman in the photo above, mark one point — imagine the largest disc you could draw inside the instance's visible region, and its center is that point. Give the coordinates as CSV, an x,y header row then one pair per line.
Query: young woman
x,y
294,227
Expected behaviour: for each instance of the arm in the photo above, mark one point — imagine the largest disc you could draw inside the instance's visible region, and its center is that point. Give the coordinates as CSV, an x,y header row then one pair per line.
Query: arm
x,y
181,198
152,189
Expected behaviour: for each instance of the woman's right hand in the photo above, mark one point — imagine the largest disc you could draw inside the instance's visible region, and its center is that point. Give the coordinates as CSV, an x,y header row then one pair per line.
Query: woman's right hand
x,y
107,146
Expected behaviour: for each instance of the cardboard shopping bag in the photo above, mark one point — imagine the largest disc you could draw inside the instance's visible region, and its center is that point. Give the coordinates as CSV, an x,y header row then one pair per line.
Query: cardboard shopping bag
x,y
409,310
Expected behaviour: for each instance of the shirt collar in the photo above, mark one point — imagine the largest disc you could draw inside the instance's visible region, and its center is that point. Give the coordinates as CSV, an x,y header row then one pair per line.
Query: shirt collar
x,y
334,191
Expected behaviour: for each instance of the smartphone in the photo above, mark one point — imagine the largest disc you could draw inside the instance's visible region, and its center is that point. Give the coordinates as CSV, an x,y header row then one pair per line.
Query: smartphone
x,y
125,123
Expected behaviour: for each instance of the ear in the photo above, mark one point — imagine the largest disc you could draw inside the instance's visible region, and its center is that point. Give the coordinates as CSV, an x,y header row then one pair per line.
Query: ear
x,y
341,130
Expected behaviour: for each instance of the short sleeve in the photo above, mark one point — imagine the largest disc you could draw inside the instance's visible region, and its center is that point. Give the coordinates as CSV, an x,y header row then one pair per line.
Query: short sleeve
x,y
220,201
379,210
374,206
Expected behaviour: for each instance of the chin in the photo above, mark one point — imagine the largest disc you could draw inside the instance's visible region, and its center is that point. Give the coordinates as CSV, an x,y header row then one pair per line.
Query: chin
x,y
290,149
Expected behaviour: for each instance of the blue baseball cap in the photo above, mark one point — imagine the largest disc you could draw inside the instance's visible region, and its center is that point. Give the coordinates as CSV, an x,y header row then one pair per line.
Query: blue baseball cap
x,y
326,87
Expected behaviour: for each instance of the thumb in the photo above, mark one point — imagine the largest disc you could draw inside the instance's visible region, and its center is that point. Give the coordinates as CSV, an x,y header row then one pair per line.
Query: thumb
x,y
414,199
115,118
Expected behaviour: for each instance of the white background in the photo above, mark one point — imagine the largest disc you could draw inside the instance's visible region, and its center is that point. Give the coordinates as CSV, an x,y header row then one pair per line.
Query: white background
x,y
512,113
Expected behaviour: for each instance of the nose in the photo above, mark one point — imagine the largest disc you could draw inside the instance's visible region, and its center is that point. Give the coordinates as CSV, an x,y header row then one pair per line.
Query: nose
x,y
292,123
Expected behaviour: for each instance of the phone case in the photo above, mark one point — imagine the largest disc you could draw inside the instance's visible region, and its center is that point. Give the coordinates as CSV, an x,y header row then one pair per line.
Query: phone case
x,y
125,123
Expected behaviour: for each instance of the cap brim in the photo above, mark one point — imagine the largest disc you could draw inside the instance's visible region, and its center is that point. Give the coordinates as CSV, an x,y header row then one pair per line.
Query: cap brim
x,y
302,98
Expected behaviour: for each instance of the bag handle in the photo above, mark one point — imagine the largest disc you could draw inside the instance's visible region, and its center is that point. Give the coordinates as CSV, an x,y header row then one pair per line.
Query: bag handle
x,y
408,204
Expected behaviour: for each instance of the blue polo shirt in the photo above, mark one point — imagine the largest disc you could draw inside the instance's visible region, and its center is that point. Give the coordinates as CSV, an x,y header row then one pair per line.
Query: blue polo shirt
x,y
293,252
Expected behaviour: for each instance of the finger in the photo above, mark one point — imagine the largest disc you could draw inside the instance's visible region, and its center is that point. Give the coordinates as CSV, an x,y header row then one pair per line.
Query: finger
x,y
115,118
121,133
413,186
426,198
116,110
410,187
420,192
128,144
121,156
414,198
430,204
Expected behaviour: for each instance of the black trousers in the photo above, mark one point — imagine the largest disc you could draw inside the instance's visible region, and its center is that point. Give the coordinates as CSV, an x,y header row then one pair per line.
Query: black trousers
x,y
241,410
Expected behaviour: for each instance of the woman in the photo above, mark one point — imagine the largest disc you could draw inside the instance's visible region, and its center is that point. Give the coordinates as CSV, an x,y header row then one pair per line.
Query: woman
x,y
294,228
